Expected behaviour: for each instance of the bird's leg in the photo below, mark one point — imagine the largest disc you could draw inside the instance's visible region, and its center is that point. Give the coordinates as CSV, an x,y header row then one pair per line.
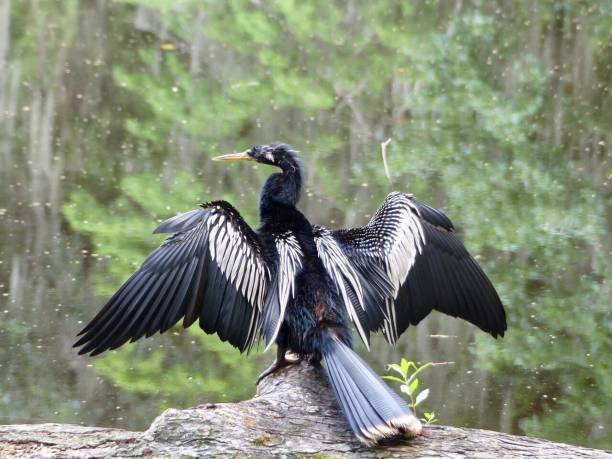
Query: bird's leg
x,y
315,359
283,359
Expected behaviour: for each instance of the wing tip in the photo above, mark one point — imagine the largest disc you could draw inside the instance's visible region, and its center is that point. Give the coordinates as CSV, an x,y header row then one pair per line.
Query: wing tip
x,y
86,348
80,342
269,345
82,352
498,331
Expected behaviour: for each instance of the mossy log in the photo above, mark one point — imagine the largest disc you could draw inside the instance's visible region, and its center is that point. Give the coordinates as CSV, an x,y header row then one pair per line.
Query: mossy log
x,y
294,415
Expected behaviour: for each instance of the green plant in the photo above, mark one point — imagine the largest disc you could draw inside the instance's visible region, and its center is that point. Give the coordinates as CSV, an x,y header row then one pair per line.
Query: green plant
x,y
409,385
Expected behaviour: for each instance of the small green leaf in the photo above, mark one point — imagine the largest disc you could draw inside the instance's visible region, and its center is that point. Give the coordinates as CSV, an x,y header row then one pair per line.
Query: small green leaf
x,y
429,418
393,378
421,397
404,366
395,367
413,386
418,370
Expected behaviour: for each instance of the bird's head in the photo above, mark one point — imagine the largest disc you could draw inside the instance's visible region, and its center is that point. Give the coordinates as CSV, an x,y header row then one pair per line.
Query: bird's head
x,y
281,188
276,154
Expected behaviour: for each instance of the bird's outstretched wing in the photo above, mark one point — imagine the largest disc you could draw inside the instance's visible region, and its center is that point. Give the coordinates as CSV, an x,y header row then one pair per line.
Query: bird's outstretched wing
x,y
408,261
211,268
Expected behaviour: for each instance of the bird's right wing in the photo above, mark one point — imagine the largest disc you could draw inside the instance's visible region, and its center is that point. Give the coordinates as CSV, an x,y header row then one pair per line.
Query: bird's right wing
x,y
211,268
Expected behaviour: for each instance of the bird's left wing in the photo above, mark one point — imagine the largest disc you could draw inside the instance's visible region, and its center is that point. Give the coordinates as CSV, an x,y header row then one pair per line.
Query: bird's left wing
x,y
211,268
408,261
282,285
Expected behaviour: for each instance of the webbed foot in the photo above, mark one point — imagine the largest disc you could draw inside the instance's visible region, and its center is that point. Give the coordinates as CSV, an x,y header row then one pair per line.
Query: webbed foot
x,y
285,359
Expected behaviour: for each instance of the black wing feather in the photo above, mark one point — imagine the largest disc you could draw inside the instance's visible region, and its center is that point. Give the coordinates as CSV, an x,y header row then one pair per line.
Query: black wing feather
x,y
189,276
413,263
433,216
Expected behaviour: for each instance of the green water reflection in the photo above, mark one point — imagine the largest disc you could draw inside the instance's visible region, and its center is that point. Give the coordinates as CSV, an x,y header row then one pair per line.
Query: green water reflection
x,y
499,114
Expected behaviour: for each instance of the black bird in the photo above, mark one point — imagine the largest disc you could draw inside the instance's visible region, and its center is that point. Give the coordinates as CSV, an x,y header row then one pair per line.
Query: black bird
x,y
301,286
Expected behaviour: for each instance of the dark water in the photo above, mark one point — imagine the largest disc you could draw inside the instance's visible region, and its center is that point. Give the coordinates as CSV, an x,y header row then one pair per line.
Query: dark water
x,y
109,115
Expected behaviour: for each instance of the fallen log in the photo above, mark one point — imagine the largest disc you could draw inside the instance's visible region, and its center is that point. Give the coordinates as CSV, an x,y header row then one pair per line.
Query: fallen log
x,y
293,414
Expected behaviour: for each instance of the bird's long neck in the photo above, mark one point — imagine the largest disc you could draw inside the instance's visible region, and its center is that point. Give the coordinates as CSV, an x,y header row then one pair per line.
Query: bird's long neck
x,y
281,191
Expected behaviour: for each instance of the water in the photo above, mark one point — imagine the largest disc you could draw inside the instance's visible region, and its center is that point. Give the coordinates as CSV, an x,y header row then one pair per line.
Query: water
x,y
110,113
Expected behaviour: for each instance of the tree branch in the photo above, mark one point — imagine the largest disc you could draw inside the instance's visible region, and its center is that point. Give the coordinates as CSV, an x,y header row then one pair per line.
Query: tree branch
x,y
294,414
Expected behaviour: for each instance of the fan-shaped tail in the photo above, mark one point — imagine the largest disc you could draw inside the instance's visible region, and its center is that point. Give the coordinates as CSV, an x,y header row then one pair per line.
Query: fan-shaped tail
x,y
372,409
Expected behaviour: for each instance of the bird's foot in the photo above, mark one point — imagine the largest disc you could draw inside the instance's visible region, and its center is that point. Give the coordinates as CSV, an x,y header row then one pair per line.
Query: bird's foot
x,y
315,360
289,358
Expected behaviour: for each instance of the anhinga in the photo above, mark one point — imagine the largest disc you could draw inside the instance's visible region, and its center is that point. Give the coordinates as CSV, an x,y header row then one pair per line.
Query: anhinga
x,y
301,285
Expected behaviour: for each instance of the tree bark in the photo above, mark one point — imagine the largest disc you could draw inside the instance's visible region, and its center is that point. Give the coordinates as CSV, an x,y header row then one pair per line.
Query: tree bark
x,y
294,414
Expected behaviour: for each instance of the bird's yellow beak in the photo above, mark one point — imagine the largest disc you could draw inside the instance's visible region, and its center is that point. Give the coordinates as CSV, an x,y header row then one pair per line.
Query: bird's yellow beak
x,y
233,157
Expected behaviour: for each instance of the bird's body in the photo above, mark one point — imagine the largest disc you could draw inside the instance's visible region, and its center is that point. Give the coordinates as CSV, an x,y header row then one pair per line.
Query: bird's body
x,y
301,286
315,306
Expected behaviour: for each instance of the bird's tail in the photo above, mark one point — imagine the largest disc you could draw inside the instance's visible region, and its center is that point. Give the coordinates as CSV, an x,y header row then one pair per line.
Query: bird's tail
x,y
371,408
